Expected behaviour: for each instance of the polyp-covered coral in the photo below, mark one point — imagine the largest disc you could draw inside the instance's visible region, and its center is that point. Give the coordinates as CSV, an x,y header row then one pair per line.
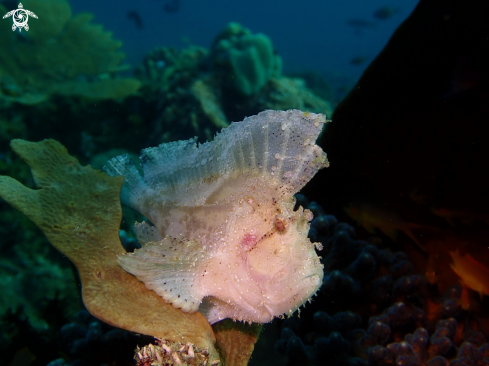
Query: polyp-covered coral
x,y
372,310
60,54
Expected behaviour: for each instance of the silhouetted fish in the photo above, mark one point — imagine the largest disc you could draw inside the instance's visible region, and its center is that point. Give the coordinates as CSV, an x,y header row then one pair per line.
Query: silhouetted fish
x,y
172,6
134,16
360,23
385,12
358,60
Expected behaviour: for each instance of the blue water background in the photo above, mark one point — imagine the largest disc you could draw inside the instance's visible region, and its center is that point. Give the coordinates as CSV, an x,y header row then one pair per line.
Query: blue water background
x,y
308,34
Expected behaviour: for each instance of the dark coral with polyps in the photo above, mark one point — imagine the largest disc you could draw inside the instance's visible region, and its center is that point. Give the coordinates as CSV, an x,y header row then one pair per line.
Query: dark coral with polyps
x,y
373,310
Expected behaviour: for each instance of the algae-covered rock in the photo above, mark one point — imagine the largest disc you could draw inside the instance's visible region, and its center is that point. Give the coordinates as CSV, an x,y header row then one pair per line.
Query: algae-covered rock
x,y
60,54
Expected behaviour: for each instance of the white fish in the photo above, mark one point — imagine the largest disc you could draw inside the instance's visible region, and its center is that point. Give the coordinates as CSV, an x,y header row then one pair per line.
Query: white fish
x,y
226,240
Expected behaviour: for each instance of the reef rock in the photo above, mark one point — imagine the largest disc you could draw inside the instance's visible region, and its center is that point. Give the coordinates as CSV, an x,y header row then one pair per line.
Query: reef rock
x,y
226,240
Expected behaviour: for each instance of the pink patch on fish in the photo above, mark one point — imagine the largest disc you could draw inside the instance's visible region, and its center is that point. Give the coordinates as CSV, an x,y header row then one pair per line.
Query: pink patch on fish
x,y
249,241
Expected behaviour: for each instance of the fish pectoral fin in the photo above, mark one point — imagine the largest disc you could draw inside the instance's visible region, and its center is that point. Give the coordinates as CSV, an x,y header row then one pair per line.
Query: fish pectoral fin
x,y
171,268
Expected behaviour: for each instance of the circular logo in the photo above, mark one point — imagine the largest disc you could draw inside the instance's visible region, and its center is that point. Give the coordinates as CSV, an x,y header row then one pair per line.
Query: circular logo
x,y
20,18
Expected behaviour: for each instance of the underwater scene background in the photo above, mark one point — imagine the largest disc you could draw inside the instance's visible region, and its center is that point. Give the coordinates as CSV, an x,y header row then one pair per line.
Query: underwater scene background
x,y
401,214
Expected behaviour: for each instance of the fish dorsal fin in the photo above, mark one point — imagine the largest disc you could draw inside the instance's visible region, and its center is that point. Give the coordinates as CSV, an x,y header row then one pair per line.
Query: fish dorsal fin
x,y
171,268
278,146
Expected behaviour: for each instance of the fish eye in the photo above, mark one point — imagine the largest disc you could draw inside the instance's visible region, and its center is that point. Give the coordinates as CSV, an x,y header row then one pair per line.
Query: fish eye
x,y
280,224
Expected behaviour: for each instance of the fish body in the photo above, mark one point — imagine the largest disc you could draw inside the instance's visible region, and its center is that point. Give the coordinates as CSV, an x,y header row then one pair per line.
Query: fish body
x,y
358,60
360,23
385,12
472,273
136,18
226,240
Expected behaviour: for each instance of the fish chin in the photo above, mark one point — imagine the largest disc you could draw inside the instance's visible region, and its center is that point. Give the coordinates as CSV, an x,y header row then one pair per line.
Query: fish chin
x,y
288,272
295,285
286,300
297,294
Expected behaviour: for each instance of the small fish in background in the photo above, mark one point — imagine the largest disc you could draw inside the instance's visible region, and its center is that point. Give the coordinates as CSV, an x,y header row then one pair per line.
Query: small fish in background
x,y
473,274
372,218
385,12
171,6
358,60
136,18
359,24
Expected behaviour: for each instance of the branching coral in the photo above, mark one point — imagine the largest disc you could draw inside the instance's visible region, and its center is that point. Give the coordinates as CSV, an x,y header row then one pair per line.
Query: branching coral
x,y
60,54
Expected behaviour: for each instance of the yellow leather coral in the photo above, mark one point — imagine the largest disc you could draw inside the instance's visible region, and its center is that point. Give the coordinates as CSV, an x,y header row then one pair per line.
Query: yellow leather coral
x,y
78,209
60,54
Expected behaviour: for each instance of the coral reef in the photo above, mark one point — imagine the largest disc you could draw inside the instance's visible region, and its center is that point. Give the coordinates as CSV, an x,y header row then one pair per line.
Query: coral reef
x,y
183,94
200,95
60,55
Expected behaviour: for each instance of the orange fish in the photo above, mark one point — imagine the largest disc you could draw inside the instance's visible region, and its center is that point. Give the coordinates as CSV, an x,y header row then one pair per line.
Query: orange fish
x,y
472,273
372,218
